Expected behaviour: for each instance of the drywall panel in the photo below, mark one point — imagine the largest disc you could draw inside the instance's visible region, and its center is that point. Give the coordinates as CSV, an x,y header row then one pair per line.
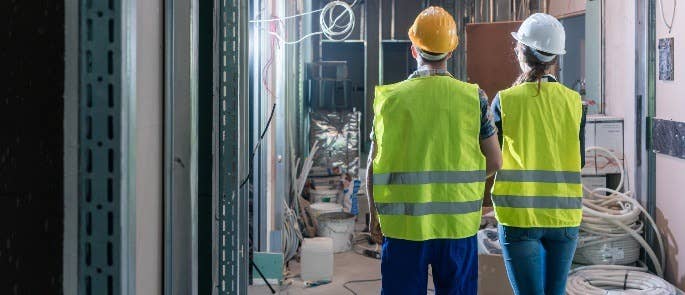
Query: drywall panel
x,y
561,8
669,215
670,172
490,58
619,78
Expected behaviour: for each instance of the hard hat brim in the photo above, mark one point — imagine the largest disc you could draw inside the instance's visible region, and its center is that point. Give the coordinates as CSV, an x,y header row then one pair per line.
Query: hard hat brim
x,y
529,44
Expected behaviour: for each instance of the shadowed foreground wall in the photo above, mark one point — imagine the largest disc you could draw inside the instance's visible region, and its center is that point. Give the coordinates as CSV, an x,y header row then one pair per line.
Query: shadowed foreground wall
x,y
31,146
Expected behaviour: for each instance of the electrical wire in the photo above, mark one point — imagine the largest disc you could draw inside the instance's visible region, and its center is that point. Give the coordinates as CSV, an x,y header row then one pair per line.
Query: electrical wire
x,y
615,218
663,15
292,235
616,279
357,282
328,22
248,177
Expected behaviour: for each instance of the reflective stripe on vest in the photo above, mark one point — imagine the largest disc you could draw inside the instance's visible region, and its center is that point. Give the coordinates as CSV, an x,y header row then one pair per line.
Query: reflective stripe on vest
x,y
417,209
539,184
540,202
428,173
538,176
428,177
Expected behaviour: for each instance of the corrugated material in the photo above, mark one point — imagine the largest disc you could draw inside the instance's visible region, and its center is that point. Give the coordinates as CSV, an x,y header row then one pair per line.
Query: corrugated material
x,y
338,135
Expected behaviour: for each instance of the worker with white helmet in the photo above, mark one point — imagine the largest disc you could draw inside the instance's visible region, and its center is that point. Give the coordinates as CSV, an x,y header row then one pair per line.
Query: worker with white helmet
x,y
537,194
434,143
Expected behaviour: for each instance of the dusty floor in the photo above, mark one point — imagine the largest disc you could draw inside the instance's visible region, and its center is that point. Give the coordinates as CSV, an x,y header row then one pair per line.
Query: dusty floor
x,y
349,266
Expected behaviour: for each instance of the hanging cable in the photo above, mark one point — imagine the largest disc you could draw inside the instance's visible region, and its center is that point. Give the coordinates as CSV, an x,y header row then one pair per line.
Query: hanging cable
x,y
259,144
663,15
356,282
330,22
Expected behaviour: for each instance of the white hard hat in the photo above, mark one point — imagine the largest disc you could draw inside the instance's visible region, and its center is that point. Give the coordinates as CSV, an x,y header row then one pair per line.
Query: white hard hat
x,y
542,32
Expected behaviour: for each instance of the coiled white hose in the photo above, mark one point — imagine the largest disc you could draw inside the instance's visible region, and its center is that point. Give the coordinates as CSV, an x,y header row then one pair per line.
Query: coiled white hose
x,y
616,279
613,220
328,22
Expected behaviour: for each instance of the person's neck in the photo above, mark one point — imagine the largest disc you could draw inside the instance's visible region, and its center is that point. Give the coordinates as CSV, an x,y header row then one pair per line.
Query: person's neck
x,y
435,67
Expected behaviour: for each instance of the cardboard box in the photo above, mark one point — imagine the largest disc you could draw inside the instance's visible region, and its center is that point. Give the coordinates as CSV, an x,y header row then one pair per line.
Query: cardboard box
x,y
590,167
609,135
593,182
606,132
492,275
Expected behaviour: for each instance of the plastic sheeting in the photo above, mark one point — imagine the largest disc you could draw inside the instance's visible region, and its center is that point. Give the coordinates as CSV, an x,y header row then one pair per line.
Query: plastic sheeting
x,y
338,135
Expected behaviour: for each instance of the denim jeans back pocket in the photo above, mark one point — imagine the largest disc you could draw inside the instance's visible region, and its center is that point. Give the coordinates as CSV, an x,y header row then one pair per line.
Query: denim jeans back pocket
x,y
516,234
571,233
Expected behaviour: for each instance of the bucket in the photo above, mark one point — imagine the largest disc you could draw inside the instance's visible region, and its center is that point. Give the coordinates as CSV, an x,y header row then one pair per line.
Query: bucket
x,y
324,187
339,226
317,209
324,195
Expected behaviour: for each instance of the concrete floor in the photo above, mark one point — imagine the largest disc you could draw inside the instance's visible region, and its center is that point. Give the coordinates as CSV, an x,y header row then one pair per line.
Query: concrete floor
x,y
348,266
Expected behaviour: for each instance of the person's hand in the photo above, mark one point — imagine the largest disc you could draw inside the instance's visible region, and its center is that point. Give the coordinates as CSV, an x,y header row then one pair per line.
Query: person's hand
x,y
375,228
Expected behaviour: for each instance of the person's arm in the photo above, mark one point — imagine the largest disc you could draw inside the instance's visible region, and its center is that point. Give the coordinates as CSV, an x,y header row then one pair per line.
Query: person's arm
x,y
369,175
493,155
374,225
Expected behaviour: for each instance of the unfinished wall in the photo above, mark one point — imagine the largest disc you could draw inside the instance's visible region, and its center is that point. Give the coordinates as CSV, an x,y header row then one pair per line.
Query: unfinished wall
x,y
669,171
620,101
619,81
560,8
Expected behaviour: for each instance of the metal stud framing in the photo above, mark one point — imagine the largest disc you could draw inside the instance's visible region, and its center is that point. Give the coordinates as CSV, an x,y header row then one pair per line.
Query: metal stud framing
x,y
232,201
99,147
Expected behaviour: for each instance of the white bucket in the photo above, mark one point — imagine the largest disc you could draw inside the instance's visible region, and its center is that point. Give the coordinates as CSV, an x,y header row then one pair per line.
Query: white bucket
x,y
324,196
325,187
339,226
317,209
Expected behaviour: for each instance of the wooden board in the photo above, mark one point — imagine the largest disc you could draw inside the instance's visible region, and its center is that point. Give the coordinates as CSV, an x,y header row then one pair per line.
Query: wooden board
x,y
490,58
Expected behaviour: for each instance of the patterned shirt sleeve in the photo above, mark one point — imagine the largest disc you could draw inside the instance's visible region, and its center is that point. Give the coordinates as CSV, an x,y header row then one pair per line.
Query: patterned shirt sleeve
x,y
496,109
487,124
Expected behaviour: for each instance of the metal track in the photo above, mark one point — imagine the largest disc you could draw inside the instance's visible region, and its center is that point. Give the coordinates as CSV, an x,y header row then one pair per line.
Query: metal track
x,y
100,141
232,201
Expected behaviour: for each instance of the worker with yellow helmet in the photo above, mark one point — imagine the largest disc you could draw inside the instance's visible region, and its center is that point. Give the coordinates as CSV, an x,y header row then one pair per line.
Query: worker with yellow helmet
x,y
434,144
538,193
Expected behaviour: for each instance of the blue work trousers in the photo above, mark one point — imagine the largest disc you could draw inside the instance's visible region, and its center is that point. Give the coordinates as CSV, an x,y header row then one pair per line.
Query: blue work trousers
x,y
538,259
454,265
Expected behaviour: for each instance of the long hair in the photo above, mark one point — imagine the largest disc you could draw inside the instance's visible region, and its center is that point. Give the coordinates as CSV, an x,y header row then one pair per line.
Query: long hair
x,y
536,68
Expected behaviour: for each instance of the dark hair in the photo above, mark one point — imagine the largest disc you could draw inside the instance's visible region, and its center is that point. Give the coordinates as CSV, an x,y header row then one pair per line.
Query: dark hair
x,y
537,68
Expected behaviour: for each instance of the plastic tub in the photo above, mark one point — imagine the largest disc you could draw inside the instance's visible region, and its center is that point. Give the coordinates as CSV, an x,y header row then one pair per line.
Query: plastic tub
x,y
339,226
324,195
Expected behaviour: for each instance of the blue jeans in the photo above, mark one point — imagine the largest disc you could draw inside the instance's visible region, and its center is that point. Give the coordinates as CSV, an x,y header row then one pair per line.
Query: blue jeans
x,y
538,259
454,265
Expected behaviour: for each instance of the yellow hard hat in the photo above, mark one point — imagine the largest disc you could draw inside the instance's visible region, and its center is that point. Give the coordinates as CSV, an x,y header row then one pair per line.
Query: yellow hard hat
x,y
434,30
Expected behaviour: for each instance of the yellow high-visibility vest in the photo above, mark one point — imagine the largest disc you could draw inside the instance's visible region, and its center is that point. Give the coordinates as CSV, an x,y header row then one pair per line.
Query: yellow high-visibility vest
x,y
539,184
429,172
